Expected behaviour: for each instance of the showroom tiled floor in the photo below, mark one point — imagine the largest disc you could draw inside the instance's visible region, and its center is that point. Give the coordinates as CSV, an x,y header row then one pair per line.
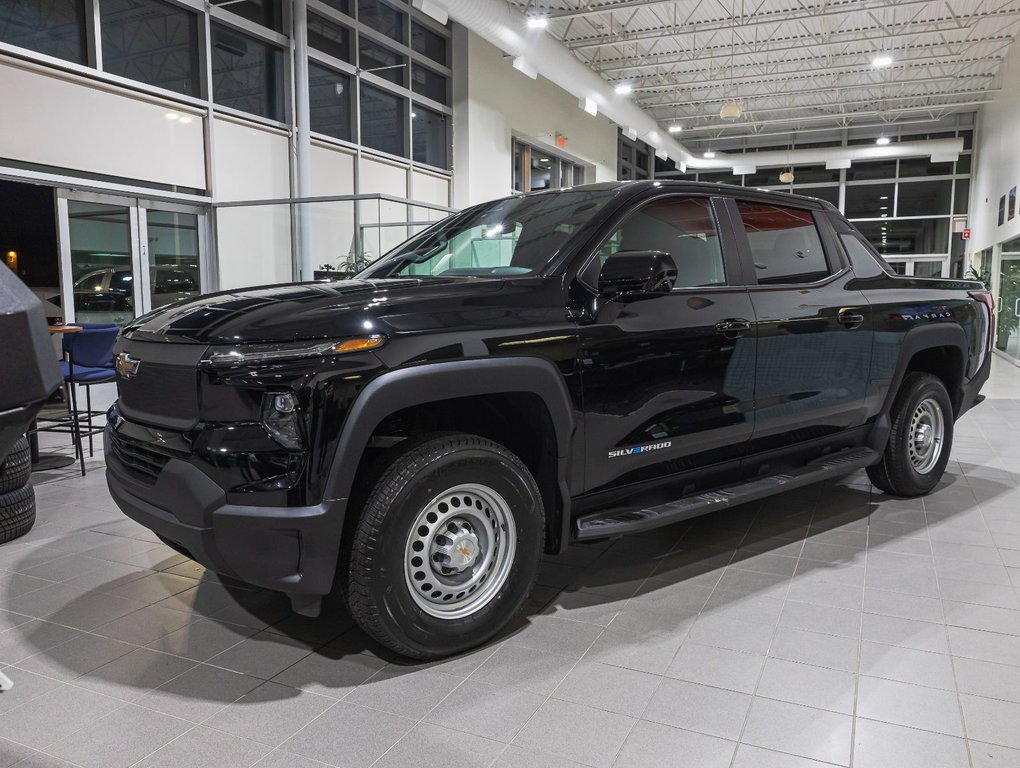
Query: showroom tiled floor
x,y
827,626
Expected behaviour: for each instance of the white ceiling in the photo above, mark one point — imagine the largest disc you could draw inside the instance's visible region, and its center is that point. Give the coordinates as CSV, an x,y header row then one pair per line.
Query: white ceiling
x,y
796,67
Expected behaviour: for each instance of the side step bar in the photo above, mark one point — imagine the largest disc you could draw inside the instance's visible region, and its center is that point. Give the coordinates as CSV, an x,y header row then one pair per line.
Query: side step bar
x,y
618,521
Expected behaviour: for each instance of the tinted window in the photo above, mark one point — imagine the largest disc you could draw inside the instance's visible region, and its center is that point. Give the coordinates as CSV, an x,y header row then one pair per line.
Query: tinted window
x,y
682,227
329,102
924,198
247,73
429,137
382,18
382,62
428,43
429,84
784,244
872,201
268,13
153,42
383,121
325,36
52,27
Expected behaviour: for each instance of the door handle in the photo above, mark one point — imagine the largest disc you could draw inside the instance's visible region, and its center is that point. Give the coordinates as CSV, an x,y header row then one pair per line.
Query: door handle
x,y
733,329
850,319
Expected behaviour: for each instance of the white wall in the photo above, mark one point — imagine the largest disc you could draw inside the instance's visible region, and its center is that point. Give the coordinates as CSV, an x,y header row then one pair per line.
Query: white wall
x,y
70,122
997,159
493,101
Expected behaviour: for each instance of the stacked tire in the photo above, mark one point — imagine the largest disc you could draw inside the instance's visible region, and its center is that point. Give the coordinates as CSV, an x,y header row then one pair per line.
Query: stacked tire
x,y
17,497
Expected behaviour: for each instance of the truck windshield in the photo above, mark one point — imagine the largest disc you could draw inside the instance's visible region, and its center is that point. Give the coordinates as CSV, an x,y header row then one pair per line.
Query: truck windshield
x,y
513,236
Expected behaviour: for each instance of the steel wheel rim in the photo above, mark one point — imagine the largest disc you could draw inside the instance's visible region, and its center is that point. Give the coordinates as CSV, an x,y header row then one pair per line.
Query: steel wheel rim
x,y
927,434
459,551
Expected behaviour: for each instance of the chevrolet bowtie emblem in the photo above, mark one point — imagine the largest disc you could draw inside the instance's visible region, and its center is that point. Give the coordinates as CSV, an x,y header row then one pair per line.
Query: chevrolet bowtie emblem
x,y
126,365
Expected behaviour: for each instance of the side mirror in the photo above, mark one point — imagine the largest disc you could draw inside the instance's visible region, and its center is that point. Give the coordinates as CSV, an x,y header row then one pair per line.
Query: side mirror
x,y
637,272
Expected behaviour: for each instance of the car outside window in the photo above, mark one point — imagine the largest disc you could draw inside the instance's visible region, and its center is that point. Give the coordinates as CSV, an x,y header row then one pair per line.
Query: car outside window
x,y
682,227
784,243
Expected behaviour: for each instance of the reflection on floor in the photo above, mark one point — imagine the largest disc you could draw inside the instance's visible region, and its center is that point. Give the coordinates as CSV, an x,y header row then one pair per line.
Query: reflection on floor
x,y
827,626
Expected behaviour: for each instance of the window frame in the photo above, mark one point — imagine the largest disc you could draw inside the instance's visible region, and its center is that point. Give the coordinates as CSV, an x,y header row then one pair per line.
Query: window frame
x,y
834,258
732,264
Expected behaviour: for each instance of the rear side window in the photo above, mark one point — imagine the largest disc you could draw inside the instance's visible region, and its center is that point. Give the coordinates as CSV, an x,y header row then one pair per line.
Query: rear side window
x,y
784,242
682,227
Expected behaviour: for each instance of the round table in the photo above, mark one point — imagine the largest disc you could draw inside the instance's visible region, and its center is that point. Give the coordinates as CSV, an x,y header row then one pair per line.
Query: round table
x,y
45,461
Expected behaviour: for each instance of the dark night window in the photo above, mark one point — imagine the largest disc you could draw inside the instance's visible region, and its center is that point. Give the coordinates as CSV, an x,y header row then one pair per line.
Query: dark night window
x,y
247,73
51,27
329,97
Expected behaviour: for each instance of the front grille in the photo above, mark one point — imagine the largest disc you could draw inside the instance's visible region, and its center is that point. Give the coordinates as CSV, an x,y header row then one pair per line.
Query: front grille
x,y
163,390
139,462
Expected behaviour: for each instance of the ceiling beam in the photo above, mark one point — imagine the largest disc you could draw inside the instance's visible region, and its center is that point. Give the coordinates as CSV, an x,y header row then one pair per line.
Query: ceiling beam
x,y
958,21
593,9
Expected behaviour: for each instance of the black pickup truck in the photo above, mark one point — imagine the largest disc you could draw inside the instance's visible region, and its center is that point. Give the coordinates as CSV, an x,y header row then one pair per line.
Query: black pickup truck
x,y
532,372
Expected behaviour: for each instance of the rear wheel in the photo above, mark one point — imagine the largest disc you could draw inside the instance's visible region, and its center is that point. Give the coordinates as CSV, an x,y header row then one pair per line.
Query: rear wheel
x,y
917,453
447,547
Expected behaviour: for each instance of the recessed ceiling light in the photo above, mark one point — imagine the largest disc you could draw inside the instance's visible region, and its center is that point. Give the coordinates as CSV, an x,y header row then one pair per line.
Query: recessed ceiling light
x,y
710,154
884,197
882,140
538,22
675,128
880,62
623,89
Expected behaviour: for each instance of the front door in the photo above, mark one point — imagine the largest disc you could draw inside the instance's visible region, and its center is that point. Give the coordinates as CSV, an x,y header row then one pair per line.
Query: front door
x,y
121,257
668,378
813,329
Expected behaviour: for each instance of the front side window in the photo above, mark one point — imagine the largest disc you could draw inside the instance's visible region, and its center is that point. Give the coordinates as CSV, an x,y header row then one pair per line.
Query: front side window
x,y
51,27
682,227
784,244
153,42
247,73
510,237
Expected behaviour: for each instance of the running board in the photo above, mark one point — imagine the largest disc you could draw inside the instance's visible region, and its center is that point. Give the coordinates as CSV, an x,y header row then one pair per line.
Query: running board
x,y
617,521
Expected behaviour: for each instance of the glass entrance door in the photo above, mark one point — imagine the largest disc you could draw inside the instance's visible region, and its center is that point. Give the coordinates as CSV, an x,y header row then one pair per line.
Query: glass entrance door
x,y
121,257
1007,332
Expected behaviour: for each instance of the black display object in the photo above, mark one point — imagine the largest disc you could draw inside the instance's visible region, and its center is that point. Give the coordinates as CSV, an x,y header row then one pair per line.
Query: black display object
x,y
28,369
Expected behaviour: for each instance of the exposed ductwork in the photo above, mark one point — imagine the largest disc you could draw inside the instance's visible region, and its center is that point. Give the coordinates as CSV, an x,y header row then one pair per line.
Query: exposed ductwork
x,y
534,50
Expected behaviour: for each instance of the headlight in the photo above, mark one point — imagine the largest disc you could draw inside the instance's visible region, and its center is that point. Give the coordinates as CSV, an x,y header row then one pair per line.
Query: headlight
x,y
280,419
246,354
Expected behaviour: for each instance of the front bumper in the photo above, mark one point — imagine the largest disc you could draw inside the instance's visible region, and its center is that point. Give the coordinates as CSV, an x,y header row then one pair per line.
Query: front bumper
x,y
290,549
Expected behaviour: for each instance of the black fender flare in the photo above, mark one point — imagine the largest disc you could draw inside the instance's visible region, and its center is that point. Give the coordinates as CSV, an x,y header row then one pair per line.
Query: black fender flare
x,y
914,341
434,382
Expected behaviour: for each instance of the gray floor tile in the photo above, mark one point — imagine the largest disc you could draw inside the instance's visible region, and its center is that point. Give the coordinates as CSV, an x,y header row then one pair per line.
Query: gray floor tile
x,y
76,657
131,676
993,755
815,648
264,655
645,653
614,689
199,693
145,625
120,739
515,756
570,638
821,618
56,714
27,686
718,667
985,646
154,587
987,618
732,634
202,639
990,720
270,714
803,731
279,758
811,686
404,691
693,707
205,748
882,745
432,746
903,606
749,756
994,595
518,667
586,607
919,635
485,710
651,745
30,637
914,706
984,678
330,672
576,732
907,665
349,736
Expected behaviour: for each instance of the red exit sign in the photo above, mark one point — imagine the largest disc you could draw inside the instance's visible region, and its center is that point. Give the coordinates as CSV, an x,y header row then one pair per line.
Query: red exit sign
x,y
966,234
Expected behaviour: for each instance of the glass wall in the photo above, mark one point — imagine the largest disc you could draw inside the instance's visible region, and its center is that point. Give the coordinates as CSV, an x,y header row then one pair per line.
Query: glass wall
x,y
536,169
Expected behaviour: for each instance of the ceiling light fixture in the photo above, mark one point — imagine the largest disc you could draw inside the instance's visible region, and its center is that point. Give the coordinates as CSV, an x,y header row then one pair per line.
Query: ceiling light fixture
x,y
624,88
882,140
730,111
881,62
709,155
589,105
675,128
538,22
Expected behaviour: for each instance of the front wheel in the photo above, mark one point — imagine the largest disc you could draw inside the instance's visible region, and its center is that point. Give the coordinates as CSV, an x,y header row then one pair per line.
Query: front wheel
x,y
917,453
447,548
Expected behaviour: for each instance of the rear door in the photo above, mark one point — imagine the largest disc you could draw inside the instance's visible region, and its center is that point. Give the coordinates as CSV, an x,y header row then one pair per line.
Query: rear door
x,y
813,327
668,378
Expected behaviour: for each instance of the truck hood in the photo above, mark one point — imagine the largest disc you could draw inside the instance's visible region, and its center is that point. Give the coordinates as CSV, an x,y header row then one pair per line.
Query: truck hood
x,y
298,311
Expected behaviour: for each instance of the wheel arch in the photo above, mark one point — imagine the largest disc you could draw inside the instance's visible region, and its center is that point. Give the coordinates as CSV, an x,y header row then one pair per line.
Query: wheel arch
x,y
519,387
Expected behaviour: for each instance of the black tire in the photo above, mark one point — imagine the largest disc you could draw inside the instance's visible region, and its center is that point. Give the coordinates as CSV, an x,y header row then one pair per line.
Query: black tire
x,y
16,468
897,473
17,513
379,565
